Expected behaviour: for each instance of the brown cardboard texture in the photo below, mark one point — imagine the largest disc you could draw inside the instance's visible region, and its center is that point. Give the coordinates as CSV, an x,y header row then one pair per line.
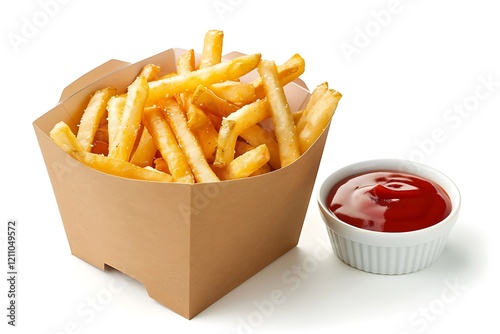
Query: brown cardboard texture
x,y
189,244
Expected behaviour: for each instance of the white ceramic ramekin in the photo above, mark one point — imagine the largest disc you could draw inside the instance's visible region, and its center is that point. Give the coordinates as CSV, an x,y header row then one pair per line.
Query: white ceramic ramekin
x,y
388,252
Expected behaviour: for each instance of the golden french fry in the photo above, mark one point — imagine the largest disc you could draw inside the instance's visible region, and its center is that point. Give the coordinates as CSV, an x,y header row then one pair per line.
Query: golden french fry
x,y
316,95
216,121
239,93
95,111
62,135
293,68
212,48
256,135
121,168
241,148
284,126
224,153
202,127
150,71
197,119
318,117
188,142
198,122
247,163
144,153
159,128
115,109
234,124
185,64
165,76
122,144
233,69
207,100
207,137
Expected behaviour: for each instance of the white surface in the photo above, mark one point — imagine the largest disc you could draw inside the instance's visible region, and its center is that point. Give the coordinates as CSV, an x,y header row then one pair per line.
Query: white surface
x,y
403,91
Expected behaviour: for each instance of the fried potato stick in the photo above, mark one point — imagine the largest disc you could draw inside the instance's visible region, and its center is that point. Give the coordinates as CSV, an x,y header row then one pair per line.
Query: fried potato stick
x,y
150,72
156,123
188,142
212,48
123,143
115,110
62,135
247,163
319,111
207,100
237,92
233,69
145,151
284,126
95,111
292,69
234,124
121,168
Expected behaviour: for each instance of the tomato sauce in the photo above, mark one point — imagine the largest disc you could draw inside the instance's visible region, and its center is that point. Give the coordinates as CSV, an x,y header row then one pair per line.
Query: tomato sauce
x,y
389,201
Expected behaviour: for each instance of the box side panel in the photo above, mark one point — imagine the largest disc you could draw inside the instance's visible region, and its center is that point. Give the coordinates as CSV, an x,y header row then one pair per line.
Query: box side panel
x,y
238,228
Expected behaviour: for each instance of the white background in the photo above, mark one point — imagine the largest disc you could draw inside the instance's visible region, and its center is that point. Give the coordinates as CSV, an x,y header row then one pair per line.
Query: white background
x,y
405,68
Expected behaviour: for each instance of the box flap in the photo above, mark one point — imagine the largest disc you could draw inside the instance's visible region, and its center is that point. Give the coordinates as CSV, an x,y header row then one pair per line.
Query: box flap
x,y
91,77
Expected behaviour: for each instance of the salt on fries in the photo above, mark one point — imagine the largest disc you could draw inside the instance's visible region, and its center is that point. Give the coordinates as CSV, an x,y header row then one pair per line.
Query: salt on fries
x,y
202,123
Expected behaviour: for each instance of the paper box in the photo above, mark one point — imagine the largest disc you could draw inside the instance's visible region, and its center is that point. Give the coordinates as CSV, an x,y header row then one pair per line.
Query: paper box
x,y
189,244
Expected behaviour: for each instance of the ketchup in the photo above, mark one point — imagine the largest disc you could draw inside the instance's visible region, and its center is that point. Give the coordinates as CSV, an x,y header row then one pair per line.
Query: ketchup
x,y
389,201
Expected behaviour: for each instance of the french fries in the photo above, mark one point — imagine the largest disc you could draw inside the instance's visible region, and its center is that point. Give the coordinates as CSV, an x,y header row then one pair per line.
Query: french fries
x,y
237,92
145,151
207,100
198,122
246,164
205,122
204,76
124,139
157,125
92,116
192,149
243,147
212,48
234,124
121,168
150,72
319,110
115,109
284,126
62,135
292,69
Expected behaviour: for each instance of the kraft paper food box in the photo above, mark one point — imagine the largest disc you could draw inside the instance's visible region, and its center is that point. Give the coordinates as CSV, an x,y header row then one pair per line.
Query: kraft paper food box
x,y
188,244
